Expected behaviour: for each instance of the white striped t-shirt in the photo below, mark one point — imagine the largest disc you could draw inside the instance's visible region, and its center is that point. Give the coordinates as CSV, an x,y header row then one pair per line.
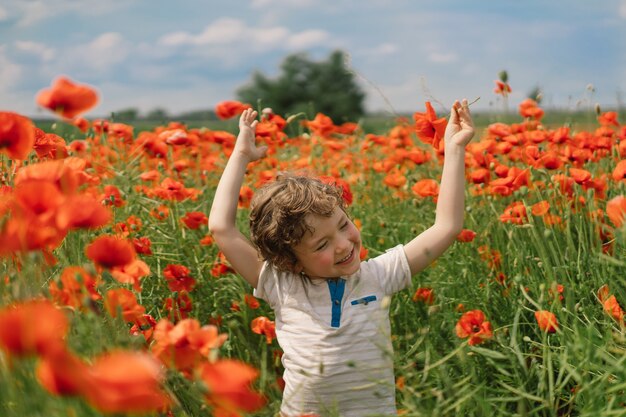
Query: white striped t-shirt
x,y
336,337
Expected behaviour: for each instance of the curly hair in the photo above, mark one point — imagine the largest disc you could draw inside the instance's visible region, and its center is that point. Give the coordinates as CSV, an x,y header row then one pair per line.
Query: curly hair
x,y
278,211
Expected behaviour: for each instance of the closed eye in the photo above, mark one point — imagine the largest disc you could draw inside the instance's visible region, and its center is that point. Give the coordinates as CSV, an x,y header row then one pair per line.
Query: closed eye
x,y
322,246
343,226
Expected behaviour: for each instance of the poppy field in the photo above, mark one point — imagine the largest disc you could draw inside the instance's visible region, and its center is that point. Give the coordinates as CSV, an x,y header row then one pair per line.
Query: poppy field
x,y
114,299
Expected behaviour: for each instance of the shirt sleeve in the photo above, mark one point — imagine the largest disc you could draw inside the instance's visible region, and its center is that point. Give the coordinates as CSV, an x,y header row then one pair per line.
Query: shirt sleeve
x,y
391,269
272,285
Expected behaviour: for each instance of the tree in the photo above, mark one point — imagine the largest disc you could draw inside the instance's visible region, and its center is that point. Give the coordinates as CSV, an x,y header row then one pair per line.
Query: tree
x,y
126,115
158,113
310,87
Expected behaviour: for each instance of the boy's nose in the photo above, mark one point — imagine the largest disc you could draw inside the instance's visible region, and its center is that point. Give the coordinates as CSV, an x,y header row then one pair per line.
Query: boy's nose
x,y
343,244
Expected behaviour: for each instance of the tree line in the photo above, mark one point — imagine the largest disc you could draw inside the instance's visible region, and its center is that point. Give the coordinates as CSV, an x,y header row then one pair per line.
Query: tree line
x,y
303,85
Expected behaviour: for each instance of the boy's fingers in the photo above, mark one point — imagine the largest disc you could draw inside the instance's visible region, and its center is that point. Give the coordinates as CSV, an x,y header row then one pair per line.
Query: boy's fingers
x,y
454,112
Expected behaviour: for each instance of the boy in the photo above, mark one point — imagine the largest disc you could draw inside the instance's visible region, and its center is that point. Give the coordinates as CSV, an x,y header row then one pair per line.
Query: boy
x,y
331,309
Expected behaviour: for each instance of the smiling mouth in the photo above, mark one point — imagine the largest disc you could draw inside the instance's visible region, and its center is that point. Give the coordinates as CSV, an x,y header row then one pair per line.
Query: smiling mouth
x,y
347,257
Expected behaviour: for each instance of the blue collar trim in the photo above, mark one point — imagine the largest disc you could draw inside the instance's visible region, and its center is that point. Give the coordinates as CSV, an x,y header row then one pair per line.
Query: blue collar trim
x,y
336,288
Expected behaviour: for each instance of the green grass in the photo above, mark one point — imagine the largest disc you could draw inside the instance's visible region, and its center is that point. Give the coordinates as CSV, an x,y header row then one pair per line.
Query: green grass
x,y
373,123
577,371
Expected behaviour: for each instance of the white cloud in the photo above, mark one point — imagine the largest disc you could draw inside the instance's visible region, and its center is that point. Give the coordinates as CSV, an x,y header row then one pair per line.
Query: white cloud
x,y
222,31
35,48
265,4
235,32
622,9
307,39
268,37
10,72
34,11
98,56
4,15
442,57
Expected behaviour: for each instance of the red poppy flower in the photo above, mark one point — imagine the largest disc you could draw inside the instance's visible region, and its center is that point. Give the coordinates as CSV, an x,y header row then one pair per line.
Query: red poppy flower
x,y
49,145
230,108
263,325
30,327
62,373
67,98
619,173
428,127
195,219
549,160
145,326
581,176
424,295
82,211
547,321
321,125
123,301
426,188
608,118
251,301
152,175
502,88
530,108
394,179
17,135
221,265
541,208
112,196
186,344
142,245
174,137
131,273
65,174
74,287
126,382
81,123
178,278
271,133
110,251
616,210
229,390
480,176
363,253
466,236
514,213
472,325
245,196
610,304
499,130
170,189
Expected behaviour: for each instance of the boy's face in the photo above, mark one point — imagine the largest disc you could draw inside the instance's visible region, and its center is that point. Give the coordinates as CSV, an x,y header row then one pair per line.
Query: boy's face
x,y
332,250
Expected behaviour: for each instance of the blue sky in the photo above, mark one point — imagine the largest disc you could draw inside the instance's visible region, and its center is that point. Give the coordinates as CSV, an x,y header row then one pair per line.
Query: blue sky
x,y
190,54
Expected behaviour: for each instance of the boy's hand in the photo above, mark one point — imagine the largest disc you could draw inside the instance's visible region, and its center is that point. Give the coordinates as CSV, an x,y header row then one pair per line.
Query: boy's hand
x,y
460,129
246,140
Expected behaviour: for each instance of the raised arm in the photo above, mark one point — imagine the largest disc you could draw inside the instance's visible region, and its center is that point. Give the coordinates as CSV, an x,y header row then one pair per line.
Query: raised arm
x,y
223,217
434,241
